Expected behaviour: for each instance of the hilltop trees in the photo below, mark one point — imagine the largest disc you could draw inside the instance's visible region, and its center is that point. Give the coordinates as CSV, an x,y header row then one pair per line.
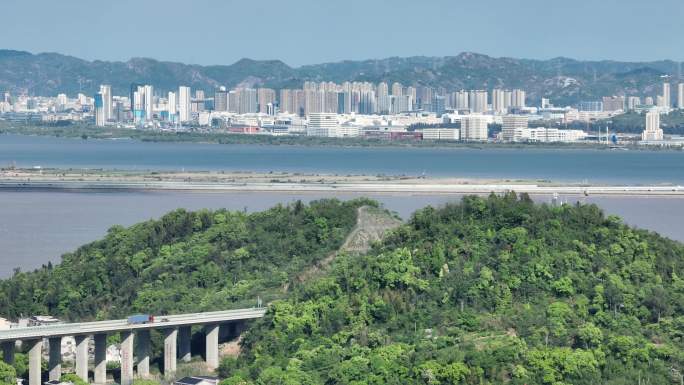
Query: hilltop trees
x,y
486,291
183,262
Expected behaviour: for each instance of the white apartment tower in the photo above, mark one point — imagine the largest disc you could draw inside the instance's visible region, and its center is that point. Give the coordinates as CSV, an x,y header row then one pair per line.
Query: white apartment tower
x,y
106,91
680,96
511,123
474,128
477,101
172,104
321,124
666,100
499,101
518,98
149,102
653,130
184,103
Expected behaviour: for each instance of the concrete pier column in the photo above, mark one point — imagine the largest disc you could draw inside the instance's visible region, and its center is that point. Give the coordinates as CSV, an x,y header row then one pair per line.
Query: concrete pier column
x,y
184,338
212,336
55,361
170,340
35,354
8,348
82,357
126,358
100,372
143,353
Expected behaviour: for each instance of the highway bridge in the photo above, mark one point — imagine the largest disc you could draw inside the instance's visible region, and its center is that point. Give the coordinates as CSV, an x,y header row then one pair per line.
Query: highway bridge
x,y
177,331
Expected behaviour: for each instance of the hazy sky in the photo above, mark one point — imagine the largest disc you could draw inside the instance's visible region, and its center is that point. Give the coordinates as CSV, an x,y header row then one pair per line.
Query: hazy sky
x,y
314,31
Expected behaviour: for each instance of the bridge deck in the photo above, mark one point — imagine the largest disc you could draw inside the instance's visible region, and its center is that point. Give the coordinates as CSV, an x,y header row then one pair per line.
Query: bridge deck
x,y
85,328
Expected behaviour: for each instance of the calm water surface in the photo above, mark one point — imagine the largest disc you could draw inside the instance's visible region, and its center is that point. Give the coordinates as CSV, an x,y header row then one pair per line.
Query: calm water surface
x,y
39,226
566,165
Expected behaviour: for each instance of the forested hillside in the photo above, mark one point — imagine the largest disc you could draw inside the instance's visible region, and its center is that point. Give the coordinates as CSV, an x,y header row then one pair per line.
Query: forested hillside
x,y
563,80
184,262
489,291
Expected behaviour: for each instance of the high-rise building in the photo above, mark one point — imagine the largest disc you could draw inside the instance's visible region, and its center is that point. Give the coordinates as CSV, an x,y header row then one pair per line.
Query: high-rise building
x,y
321,124
461,101
138,104
247,100
61,102
591,106
99,110
172,106
401,103
499,105
221,99
680,96
633,102
518,98
424,98
511,123
384,102
265,96
184,103
477,101
106,91
438,105
666,100
397,89
411,91
474,128
613,103
149,102
653,130
134,88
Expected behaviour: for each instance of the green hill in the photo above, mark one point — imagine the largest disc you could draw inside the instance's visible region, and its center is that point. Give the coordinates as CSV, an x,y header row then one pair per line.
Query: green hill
x,y
496,290
487,291
184,262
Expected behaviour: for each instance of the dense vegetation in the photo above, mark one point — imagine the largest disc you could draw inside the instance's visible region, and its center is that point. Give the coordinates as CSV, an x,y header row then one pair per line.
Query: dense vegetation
x,y
496,290
485,291
185,261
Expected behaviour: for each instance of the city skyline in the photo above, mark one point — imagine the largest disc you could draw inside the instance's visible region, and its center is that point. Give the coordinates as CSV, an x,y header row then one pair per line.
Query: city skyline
x,y
212,32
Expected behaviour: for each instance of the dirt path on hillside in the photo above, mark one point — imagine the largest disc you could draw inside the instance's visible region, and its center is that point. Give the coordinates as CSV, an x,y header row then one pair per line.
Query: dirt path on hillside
x,y
371,225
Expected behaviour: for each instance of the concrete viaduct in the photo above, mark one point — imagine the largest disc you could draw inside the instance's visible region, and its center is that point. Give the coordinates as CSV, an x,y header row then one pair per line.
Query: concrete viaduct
x,y
175,328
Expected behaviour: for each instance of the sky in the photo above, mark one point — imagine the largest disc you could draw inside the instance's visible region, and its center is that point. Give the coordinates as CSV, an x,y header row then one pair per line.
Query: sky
x,y
302,32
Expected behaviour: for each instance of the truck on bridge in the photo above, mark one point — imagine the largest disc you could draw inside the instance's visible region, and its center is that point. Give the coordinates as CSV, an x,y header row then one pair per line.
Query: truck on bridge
x,y
138,319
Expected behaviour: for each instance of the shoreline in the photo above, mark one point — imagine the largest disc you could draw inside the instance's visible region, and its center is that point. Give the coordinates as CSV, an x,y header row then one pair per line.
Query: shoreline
x,y
221,181
367,188
227,138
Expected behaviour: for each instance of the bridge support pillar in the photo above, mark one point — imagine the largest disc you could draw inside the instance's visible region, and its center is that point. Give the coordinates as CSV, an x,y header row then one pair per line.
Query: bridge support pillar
x,y
170,351
82,357
100,372
143,353
35,354
126,358
55,361
212,342
184,338
8,348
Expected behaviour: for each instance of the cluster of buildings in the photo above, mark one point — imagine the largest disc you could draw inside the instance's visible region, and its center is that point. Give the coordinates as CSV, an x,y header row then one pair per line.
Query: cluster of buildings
x,y
350,109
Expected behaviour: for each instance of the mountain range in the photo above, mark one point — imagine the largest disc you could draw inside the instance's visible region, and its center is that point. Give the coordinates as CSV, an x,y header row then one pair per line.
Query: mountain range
x,y
563,80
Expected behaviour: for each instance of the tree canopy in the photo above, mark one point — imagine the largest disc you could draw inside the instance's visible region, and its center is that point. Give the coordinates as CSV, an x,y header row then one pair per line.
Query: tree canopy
x,y
184,262
490,290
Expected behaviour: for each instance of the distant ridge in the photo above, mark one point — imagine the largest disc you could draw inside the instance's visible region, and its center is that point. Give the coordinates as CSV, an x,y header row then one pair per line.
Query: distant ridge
x,y
563,80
